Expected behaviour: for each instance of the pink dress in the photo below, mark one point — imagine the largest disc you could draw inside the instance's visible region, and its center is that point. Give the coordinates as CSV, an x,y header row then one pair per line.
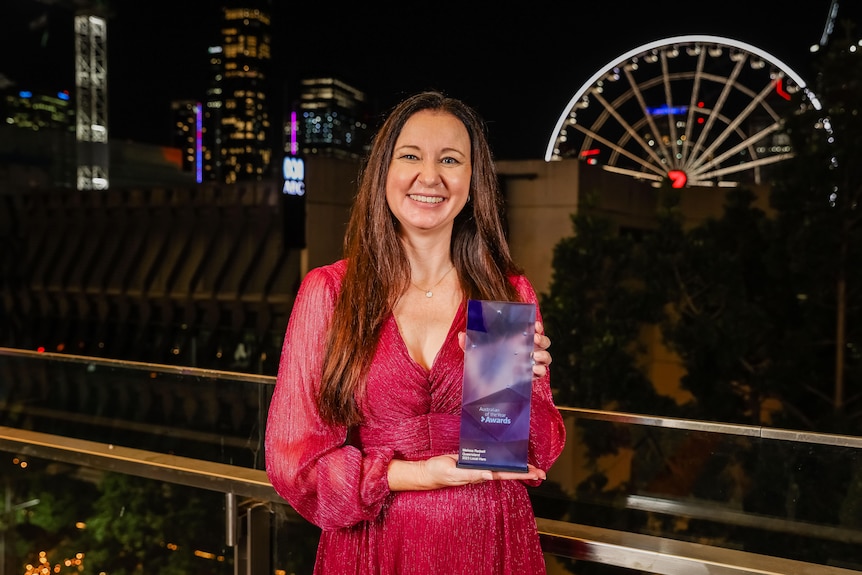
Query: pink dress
x,y
410,413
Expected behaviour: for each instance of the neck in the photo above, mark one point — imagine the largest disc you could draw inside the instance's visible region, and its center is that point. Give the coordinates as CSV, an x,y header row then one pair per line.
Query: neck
x,y
428,251
429,291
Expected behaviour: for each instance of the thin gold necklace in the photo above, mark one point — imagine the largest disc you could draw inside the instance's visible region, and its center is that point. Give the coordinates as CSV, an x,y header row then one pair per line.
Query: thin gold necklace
x,y
429,292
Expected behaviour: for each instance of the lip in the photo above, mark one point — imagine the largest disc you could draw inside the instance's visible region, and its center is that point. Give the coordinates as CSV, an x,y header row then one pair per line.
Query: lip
x,y
426,199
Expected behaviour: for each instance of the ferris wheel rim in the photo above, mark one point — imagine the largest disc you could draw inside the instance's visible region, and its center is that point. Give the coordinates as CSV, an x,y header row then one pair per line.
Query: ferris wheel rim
x,y
684,39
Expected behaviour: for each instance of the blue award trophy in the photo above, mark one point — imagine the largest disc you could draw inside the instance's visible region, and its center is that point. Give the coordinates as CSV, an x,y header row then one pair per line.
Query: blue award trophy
x,y
498,379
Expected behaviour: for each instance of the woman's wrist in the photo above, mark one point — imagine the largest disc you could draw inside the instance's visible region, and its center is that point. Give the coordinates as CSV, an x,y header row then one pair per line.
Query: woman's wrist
x,y
407,475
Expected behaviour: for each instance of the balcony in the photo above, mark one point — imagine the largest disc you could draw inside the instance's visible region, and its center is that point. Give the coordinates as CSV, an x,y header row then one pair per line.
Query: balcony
x,y
175,456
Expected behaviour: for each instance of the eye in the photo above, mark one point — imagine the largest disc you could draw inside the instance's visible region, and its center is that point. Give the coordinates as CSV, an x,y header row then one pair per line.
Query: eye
x,y
408,157
449,160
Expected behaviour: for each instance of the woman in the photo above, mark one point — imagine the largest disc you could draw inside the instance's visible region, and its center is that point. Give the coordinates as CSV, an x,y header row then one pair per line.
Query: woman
x,y
363,427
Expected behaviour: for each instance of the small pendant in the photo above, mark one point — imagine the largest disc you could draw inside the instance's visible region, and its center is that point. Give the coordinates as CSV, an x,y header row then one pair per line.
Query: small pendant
x,y
428,293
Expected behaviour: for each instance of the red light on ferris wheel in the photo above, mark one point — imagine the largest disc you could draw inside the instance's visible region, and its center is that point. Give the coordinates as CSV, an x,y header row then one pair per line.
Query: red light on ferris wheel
x,y
779,89
678,178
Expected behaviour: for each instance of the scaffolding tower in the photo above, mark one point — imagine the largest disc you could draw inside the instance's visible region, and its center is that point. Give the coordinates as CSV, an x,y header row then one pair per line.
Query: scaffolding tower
x,y
91,85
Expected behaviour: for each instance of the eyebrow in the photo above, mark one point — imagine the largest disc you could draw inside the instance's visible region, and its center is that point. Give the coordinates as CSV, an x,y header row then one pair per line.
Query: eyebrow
x,y
416,147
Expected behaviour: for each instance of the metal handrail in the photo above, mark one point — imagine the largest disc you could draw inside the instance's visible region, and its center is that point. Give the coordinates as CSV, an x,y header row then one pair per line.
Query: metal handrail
x,y
582,413
639,552
139,365
763,432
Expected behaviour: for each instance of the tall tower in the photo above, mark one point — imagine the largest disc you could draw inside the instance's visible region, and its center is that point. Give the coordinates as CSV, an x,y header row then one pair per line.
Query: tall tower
x,y
331,120
91,86
186,134
211,141
244,128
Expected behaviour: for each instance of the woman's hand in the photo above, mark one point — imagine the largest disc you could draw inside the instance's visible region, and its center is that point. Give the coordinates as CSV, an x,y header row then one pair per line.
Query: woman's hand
x,y
541,356
442,471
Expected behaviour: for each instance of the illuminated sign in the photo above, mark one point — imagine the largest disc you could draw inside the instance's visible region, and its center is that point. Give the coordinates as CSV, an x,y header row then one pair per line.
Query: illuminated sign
x,y
667,110
293,202
293,171
199,143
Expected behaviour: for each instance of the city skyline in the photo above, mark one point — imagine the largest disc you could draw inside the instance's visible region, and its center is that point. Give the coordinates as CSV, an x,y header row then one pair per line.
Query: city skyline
x,y
518,67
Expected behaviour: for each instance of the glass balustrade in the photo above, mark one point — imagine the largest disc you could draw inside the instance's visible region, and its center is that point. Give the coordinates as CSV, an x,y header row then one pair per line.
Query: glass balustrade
x,y
634,485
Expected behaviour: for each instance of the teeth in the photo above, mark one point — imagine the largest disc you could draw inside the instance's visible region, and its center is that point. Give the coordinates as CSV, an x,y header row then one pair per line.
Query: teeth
x,y
426,199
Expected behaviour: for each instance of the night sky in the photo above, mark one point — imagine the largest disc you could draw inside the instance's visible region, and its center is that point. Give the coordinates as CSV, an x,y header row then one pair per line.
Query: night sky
x,y
518,65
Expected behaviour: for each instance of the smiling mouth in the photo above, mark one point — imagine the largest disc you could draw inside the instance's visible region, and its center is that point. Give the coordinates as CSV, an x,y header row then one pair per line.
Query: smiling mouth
x,y
426,199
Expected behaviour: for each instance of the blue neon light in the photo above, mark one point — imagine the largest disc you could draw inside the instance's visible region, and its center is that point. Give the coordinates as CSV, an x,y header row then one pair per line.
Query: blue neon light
x,y
667,110
199,131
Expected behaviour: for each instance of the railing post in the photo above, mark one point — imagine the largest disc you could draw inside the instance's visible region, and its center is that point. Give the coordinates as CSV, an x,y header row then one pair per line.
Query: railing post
x,y
230,520
253,548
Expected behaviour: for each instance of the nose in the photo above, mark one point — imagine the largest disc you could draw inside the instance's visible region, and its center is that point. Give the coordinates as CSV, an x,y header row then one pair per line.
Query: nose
x,y
429,174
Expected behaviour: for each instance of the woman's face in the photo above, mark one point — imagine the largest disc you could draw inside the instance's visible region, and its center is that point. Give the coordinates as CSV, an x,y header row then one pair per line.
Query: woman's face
x,y
429,178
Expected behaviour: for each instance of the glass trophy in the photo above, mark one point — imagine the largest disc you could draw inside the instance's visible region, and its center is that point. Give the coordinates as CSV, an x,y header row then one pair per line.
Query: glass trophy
x,y
498,379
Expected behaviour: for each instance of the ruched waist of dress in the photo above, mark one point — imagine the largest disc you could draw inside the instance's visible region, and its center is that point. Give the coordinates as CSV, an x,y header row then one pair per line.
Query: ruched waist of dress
x,y
416,437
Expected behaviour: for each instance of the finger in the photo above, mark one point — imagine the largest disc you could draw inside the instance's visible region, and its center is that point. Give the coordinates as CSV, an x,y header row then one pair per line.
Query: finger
x,y
542,357
540,473
539,370
532,473
541,341
481,477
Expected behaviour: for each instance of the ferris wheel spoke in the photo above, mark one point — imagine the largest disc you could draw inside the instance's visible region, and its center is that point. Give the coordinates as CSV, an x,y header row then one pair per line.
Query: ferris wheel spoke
x,y
745,143
697,157
692,106
734,124
638,94
673,157
612,110
760,162
719,104
620,150
635,173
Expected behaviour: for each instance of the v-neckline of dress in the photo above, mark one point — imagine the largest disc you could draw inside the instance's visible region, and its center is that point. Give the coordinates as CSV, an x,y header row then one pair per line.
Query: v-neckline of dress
x,y
460,310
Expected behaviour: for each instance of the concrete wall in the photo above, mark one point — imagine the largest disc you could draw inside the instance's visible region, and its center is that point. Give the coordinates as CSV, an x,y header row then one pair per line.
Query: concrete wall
x,y
540,199
330,185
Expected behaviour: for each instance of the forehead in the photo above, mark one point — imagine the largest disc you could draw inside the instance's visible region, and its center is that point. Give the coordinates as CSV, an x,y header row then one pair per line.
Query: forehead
x,y
430,127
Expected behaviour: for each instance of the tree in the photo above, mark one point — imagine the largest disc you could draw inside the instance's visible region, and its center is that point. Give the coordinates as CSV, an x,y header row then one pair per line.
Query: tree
x,y
817,197
722,307
119,524
595,310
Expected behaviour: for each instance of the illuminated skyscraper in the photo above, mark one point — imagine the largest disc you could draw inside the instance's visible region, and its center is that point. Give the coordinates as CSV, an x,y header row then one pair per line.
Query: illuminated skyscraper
x,y
237,139
38,110
37,130
211,142
329,118
187,132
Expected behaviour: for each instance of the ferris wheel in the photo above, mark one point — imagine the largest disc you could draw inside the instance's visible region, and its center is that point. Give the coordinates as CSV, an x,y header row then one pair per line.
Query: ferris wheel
x,y
695,110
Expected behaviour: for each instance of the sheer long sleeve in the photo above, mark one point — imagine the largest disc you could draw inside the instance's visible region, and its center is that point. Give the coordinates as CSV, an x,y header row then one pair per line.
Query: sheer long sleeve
x,y
329,483
547,430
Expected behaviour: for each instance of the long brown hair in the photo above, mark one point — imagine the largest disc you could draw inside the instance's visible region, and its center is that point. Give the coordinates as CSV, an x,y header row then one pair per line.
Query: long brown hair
x,y
378,271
